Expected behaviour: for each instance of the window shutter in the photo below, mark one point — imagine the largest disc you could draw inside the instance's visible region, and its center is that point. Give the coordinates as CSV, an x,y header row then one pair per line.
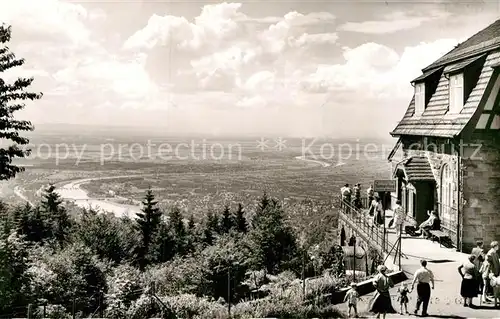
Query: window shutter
x,y
451,85
459,92
419,98
456,93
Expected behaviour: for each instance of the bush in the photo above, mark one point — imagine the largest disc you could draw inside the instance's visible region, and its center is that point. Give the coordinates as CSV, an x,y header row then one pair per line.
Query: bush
x,y
125,286
181,275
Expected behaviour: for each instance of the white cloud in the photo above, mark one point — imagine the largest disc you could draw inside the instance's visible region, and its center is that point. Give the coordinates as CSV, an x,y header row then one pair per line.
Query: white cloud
x,y
252,102
71,63
225,51
318,38
51,18
376,70
261,81
396,21
215,23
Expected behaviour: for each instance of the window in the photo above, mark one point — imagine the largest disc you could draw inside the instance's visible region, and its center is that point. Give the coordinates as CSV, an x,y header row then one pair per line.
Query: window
x,y
419,98
456,84
449,193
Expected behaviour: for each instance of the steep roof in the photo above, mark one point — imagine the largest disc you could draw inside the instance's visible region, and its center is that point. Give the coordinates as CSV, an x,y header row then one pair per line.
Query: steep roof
x,y
417,168
483,41
436,121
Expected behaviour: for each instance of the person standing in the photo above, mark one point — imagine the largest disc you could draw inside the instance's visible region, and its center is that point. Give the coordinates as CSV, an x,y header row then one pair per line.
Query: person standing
x,y
484,273
381,302
346,196
478,251
357,197
371,194
379,217
469,287
352,297
399,217
422,278
493,261
403,292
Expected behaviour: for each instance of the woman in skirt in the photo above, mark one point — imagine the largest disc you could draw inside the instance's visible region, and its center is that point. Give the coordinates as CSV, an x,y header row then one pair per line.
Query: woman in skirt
x,y
381,302
469,287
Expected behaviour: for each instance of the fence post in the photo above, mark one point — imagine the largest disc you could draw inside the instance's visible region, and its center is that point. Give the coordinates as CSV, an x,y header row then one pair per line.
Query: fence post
x,y
229,291
29,311
354,261
101,304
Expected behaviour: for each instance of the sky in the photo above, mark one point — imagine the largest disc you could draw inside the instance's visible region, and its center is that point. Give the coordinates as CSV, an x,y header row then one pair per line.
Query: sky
x,y
288,68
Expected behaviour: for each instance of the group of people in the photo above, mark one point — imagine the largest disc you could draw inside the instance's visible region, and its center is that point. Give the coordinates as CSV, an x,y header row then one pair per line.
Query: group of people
x,y
381,303
353,196
480,273
480,276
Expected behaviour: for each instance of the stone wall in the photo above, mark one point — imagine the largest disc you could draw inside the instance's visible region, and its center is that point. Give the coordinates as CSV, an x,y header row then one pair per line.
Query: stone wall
x,y
481,217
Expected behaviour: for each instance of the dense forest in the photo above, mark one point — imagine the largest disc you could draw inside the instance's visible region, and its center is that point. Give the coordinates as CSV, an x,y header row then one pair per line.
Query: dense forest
x,y
61,261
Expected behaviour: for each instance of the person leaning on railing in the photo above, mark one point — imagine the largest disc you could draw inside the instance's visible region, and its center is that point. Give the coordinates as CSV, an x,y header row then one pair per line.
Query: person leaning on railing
x,y
346,193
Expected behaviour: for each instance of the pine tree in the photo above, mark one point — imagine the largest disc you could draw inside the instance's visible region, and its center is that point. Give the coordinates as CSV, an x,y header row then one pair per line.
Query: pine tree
x,y
192,235
226,223
274,245
163,246
213,222
11,97
191,223
179,231
51,201
176,222
56,215
264,204
147,220
239,220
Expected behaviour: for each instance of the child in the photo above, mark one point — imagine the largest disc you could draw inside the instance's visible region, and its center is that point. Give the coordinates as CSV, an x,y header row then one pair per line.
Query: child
x,y
352,297
484,272
403,297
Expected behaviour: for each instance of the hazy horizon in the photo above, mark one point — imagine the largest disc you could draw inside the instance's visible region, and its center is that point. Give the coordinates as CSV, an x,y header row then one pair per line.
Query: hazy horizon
x,y
96,129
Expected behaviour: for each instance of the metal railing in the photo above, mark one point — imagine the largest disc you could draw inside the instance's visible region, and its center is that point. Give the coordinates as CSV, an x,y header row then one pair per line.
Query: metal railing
x,y
377,235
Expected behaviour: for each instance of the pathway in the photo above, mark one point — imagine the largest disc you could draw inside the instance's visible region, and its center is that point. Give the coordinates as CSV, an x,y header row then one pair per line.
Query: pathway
x,y
445,301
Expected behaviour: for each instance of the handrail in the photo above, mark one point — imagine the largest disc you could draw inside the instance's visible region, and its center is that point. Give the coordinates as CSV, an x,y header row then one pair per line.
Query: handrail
x,y
358,218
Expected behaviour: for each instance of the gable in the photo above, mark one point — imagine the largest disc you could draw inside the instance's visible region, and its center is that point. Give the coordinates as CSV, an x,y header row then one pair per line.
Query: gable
x,y
436,121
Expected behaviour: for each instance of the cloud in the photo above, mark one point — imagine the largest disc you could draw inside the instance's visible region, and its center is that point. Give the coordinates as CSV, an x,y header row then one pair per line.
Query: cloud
x,y
253,102
215,23
69,64
126,78
394,22
221,48
49,18
318,38
376,70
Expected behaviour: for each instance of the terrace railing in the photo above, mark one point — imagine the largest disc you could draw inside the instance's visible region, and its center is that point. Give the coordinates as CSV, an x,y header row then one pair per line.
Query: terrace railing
x,y
362,224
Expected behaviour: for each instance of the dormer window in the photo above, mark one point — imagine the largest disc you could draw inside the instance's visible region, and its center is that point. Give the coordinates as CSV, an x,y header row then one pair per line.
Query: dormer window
x,y
462,78
425,86
456,93
419,98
